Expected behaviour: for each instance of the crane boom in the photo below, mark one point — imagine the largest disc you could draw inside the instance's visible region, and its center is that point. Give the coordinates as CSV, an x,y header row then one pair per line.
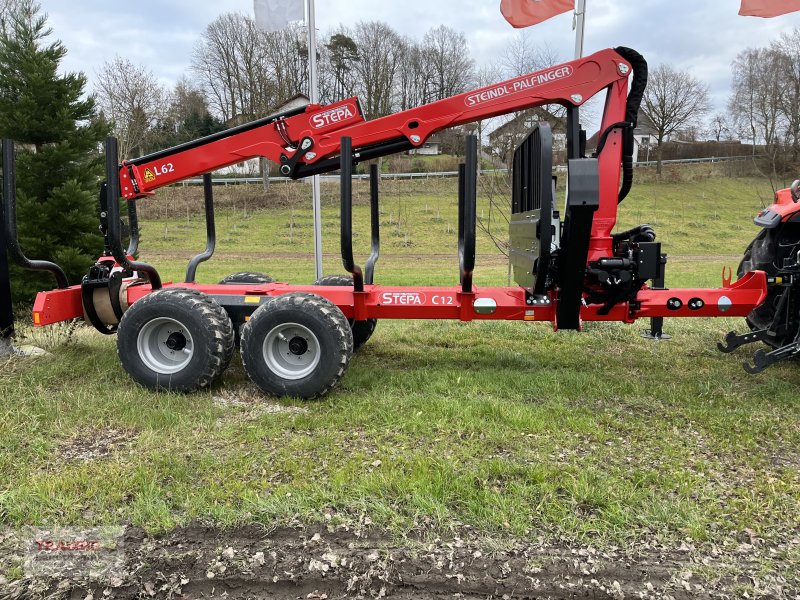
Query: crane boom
x,y
306,141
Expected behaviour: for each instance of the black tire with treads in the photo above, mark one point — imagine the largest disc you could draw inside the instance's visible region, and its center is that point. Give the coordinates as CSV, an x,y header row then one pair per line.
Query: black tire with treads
x,y
327,333
246,277
202,320
768,250
362,330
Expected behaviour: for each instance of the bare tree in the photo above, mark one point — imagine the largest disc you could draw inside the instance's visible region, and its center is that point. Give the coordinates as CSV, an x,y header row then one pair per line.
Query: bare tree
x,y
786,51
673,100
447,53
522,55
415,76
244,71
186,101
380,49
757,102
10,7
286,65
718,127
216,64
483,77
131,98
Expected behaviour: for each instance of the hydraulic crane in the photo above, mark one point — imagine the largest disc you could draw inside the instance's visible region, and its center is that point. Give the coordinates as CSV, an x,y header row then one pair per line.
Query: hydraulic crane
x,y
568,264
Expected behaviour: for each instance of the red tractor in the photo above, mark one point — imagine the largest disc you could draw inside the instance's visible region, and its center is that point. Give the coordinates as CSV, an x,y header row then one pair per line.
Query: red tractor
x,y
569,265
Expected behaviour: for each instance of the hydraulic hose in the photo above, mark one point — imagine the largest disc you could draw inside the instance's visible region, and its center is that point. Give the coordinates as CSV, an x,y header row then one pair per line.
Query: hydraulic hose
x,y
635,96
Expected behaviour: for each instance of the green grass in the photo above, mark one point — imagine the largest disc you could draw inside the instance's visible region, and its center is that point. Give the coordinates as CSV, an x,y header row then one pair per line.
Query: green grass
x,y
707,218
506,427
498,425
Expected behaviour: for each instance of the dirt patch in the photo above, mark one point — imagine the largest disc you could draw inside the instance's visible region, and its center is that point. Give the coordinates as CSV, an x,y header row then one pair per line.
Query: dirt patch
x,y
786,459
327,562
253,402
94,444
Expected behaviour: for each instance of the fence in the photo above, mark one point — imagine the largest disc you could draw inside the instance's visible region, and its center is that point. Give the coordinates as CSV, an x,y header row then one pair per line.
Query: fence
x,y
225,181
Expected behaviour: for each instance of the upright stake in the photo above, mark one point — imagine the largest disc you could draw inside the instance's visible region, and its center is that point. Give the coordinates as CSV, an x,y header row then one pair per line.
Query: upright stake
x,y
6,310
580,13
211,230
314,97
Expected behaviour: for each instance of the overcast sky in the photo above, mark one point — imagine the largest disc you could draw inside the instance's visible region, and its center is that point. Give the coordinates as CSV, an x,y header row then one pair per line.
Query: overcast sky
x,y
702,36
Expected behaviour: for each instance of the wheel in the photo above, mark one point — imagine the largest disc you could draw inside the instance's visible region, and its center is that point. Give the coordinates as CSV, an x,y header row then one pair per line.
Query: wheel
x,y
240,278
246,277
768,250
362,330
175,339
296,345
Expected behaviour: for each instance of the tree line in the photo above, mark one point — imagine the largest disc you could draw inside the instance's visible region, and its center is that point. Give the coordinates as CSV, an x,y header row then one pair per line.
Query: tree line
x,y
764,106
239,73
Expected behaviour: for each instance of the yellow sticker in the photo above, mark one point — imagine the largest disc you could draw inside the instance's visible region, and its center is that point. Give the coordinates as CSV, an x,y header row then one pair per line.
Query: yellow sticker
x,y
252,299
148,176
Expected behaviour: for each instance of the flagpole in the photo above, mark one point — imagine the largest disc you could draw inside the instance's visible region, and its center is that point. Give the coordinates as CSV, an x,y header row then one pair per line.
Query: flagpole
x,y
580,13
314,98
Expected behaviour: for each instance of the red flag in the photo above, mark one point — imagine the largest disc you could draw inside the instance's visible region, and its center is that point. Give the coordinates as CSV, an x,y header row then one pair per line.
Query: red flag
x,y
524,13
768,8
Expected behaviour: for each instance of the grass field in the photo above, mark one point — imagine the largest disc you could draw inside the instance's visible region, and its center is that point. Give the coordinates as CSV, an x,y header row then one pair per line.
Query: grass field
x,y
599,437
708,219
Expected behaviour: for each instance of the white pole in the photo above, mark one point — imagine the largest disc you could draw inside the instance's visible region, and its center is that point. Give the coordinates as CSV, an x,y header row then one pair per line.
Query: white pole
x,y
314,97
580,13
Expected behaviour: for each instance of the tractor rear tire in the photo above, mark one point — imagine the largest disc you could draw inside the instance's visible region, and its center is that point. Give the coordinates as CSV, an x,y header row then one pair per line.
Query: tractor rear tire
x,y
767,250
175,339
246,277
297,345
362,330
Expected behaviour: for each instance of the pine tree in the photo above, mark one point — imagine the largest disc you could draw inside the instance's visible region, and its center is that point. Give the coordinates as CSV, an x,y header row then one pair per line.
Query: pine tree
x,y
59,163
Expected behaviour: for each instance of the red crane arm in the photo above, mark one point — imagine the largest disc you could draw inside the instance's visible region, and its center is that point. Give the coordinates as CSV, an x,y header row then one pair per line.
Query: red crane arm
x,y
304,140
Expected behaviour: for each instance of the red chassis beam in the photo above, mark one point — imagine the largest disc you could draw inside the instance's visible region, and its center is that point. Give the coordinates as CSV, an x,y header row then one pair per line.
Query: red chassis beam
x,y
508,303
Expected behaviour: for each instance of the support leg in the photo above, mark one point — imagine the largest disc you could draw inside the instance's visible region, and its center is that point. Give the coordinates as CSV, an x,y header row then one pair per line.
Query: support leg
x,y
656,331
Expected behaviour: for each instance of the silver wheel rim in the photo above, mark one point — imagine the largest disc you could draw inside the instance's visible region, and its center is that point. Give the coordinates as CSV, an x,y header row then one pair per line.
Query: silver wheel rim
x,y
291,350
165,345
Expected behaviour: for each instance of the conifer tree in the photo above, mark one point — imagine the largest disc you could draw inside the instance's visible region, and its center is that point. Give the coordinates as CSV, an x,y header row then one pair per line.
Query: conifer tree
x,y
59,159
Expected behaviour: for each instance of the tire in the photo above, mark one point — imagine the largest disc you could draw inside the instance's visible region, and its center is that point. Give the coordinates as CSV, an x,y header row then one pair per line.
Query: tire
x,y
765,252
175,339
246,277
362,330
297,345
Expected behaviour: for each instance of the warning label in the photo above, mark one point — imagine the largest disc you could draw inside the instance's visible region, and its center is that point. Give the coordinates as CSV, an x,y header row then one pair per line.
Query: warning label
x,y
148,176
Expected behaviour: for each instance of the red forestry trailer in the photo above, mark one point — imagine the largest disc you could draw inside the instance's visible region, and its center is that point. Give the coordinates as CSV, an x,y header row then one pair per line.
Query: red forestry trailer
x,y
569,265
